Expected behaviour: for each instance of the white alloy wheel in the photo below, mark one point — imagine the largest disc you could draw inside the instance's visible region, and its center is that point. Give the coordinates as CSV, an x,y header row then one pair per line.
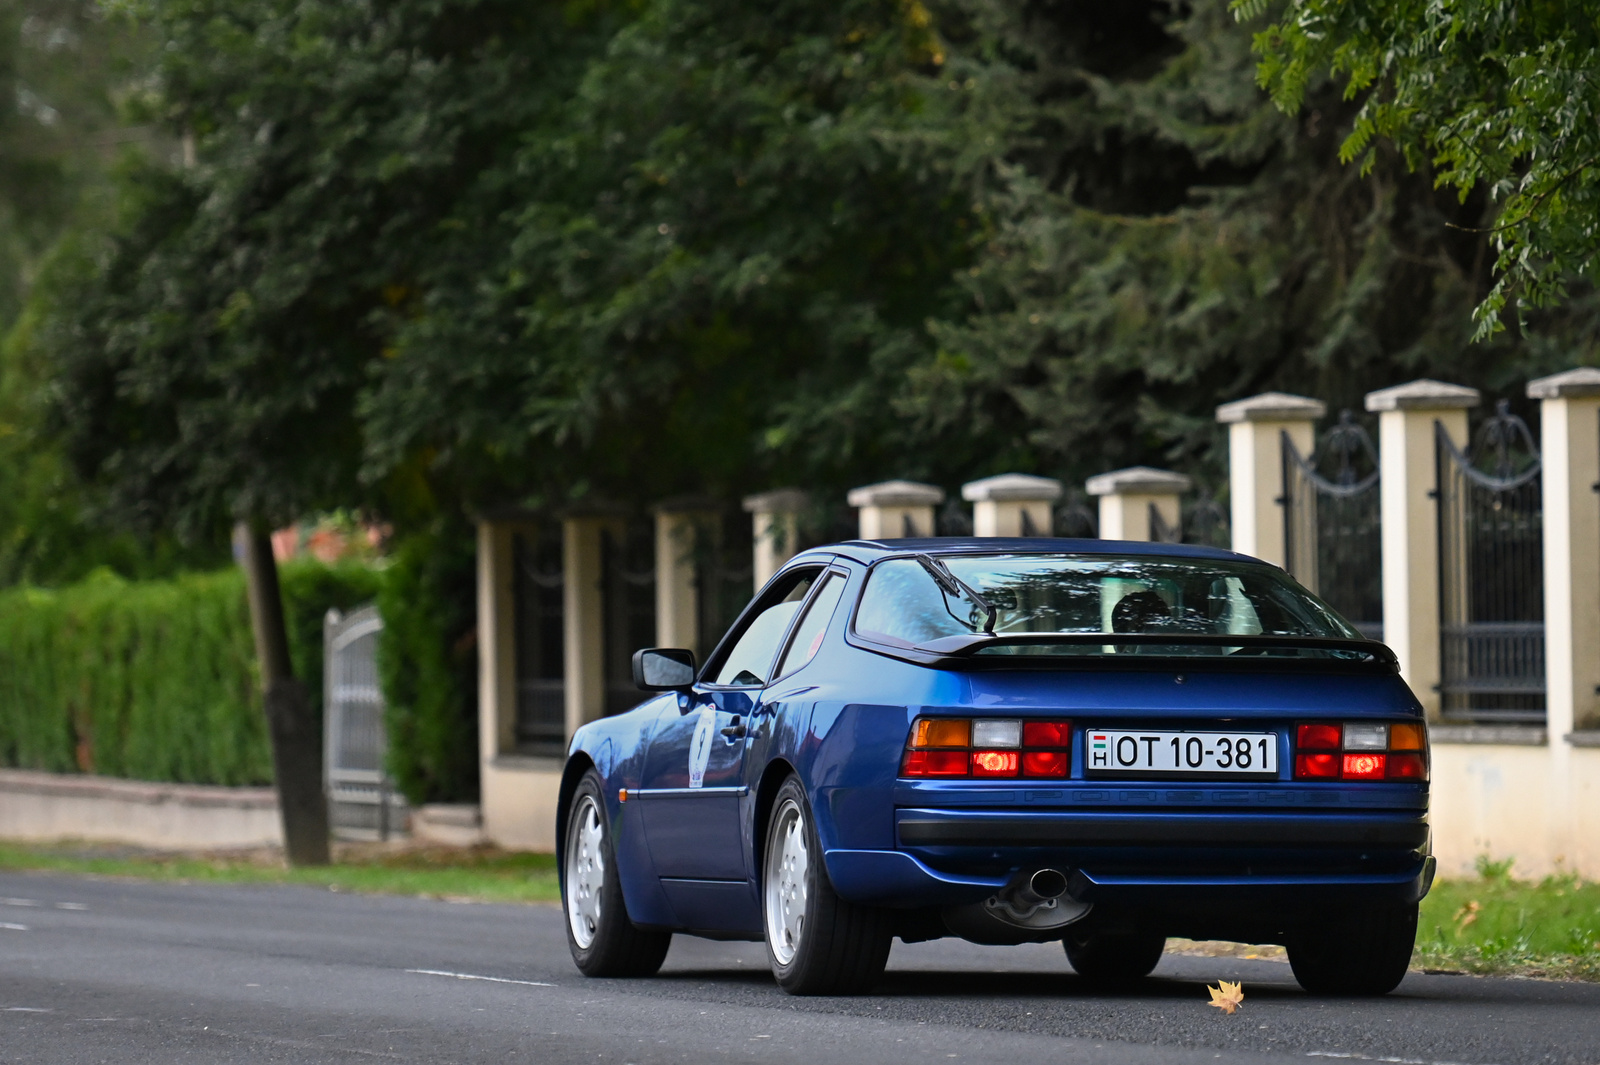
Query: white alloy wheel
x,y
787,897
586,871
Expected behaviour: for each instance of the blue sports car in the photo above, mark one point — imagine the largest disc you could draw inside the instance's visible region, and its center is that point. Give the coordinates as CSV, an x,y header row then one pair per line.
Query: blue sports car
x,y
1008,740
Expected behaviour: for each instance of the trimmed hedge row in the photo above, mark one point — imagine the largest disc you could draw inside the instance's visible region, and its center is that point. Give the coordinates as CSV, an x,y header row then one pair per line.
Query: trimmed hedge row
x,y
155,680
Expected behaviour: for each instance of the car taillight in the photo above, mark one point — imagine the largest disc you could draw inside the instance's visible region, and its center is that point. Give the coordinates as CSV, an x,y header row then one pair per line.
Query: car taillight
x,y
987,748
1360,750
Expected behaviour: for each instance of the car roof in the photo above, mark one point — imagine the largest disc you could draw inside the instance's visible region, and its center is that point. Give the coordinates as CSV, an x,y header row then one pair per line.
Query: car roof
x,y
869,551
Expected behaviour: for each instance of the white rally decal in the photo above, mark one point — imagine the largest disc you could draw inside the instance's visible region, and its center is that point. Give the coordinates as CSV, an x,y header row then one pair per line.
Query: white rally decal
x,y
700,746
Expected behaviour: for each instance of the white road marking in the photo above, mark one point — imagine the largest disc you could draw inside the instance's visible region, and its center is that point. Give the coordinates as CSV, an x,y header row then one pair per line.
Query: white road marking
x,y
19,902
71,906
23,1009
9,927
474,976
1366,1057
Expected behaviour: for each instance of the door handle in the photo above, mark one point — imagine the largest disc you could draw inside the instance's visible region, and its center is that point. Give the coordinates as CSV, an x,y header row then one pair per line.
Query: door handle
x,y
736,730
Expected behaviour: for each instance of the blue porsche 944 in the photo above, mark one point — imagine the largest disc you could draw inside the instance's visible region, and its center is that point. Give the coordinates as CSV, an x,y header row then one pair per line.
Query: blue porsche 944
x,y
1103,743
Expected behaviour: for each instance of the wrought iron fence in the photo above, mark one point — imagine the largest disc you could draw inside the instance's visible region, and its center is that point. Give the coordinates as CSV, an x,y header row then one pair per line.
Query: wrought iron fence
x,y
1491,574
361,797
628,588
724,575
1332,530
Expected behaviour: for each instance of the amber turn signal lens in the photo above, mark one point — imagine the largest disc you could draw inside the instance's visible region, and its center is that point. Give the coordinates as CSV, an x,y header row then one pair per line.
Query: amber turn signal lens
x,y
1407,737
942,732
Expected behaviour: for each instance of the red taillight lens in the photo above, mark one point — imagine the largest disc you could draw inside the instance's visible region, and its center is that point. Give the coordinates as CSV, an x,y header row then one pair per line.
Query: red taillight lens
x,y
1047,734
1044,763
1318,737
994,763
1365,766
1407,767
934,764
1316,767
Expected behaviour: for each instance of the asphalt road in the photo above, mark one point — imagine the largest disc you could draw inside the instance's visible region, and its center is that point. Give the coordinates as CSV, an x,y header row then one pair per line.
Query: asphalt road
x,y
124,972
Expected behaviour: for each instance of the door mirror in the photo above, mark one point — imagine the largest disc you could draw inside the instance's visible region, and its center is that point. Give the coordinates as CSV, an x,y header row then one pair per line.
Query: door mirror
x,y
663,669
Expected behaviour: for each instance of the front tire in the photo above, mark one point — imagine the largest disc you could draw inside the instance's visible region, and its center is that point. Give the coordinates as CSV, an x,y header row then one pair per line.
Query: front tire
x,y
603,941
1360,953
817,943
1114,957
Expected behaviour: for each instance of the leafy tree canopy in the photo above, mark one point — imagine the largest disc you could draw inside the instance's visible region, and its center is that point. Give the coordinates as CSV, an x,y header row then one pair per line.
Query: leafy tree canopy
x,y
1499,96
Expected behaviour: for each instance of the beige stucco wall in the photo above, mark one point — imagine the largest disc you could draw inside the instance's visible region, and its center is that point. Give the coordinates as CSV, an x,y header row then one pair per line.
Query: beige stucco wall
x,y
519,802
1494,800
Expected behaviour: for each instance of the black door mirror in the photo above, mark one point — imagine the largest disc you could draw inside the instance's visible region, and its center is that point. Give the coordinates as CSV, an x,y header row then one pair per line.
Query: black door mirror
x,y
663,669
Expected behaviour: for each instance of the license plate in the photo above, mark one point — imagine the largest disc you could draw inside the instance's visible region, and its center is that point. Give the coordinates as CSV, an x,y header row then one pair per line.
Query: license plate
x,y
1123,753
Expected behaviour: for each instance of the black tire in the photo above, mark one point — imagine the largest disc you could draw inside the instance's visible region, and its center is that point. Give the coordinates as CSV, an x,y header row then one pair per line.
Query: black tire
x,y
836,947
1365,952
615,947
1114,957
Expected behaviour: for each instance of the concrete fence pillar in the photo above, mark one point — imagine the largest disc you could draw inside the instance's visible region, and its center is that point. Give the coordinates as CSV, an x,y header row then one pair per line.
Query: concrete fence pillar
x,y
1409,514
679,525
583,605
1012,504
1569,420
1127,498
893,509
775,525
1255,466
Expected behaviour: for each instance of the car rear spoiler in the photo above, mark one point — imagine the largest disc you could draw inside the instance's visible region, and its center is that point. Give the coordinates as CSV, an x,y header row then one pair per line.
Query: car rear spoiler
x,y
962,651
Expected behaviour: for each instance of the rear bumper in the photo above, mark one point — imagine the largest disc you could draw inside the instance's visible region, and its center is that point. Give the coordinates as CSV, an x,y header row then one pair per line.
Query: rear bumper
x,y
989,829
1281,859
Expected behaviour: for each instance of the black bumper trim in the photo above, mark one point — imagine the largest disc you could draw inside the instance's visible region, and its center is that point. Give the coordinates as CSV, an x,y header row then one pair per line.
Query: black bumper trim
x,y
1178,831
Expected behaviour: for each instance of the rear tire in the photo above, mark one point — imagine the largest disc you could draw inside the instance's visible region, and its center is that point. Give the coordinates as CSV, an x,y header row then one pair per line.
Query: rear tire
x,y
603,941
1114,957
817,943
1365,952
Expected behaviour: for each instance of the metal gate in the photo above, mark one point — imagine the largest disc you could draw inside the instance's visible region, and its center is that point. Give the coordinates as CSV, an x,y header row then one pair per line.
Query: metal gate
x,y
1491,574
362,801
1332,533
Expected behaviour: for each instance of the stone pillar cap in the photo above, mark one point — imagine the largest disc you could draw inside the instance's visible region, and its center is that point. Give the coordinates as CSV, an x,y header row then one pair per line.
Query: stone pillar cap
x,y
686,505
1272,407
896,494
1141,480
1584,381
1425,394
1012,488
777,501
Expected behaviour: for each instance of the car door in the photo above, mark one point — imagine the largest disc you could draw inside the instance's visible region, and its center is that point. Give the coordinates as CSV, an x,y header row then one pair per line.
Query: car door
x,y
693,776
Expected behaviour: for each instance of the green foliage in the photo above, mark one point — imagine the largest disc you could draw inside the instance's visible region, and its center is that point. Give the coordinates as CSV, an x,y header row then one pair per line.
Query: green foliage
x,y
1499,925
1498,95
153,680
1165,240
428,661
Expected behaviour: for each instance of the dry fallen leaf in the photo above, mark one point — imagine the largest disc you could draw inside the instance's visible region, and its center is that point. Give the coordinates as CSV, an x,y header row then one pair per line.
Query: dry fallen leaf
x,y
1225,996
1466,915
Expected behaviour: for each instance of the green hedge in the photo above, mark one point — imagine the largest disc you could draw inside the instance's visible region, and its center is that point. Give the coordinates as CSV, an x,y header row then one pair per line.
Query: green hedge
x,y
154,680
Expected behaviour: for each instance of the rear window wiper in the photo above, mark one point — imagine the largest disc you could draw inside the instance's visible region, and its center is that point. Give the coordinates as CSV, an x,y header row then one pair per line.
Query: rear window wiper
x,y
950,584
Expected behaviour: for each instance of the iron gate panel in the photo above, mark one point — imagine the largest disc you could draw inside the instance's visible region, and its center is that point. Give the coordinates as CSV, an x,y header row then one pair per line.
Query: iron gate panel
x,y
628,588
361,796
1332,532
1491,575
724,575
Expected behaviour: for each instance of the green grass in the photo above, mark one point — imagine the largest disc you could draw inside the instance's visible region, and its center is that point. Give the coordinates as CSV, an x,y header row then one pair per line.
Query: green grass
x,y
1495,924
478,875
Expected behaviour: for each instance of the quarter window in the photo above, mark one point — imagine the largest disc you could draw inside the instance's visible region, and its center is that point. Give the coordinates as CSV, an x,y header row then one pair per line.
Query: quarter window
x,y
807,639
749,662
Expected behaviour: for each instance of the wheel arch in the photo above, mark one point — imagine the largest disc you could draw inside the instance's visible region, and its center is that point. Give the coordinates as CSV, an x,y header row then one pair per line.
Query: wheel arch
x,y
579,764
772,778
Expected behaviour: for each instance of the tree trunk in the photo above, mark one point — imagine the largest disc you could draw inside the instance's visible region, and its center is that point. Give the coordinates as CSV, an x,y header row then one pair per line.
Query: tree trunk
x,y
296,739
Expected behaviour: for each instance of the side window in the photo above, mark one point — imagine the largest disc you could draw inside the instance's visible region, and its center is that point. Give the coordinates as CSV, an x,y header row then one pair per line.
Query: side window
x,y
813,624
749,663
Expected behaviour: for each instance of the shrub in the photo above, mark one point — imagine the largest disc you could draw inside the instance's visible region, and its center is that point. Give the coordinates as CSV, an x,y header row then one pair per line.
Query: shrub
x,y
154,680
428,662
